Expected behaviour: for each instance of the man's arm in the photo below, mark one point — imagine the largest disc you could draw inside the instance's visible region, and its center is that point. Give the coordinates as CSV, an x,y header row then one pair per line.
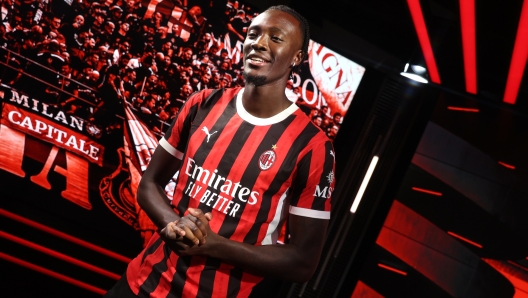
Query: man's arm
x,y
151,195
295,261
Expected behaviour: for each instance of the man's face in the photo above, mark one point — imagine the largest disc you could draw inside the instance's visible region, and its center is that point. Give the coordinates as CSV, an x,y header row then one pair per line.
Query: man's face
x,y
206,77
167,46
65,69
125,46
272,44
186,90
153,80
55,23
187,55
132,75
110,28
78,21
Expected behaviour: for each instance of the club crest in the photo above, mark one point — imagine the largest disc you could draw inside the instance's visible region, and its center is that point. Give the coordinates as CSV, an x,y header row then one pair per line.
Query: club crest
x,y
267,159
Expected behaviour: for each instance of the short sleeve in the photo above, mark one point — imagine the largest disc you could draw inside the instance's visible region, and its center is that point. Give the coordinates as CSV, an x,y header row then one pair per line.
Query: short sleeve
x,y
314,182
177,135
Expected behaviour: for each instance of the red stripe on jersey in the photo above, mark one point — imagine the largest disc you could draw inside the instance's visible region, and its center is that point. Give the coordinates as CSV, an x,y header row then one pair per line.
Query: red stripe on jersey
x,y
247,283
266,177
221,280
306,198
196,140
164,286
192,282
146,267
212,161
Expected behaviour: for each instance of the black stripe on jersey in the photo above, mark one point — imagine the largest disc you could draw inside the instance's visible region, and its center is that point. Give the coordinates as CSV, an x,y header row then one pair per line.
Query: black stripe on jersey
x,y
228,159
235,277
318,203
303,169
151,249
207,277
205,148
249,178
178,280
152,281
282,175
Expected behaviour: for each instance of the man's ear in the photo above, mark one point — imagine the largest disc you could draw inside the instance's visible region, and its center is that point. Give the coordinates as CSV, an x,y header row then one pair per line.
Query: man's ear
x,y
298,58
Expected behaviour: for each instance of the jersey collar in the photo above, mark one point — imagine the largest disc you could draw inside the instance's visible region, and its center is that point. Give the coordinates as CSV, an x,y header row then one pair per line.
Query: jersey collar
x,y
246,116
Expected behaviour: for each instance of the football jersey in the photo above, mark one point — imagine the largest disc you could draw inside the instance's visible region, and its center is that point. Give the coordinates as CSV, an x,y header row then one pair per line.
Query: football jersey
x,y
249,173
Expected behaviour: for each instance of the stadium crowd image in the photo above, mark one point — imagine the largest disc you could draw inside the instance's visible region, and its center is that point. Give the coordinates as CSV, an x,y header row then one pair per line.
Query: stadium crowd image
x,y
221,148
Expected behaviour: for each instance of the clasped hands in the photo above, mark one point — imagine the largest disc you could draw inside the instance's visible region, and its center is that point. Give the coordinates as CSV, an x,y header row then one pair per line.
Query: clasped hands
x,y
188,235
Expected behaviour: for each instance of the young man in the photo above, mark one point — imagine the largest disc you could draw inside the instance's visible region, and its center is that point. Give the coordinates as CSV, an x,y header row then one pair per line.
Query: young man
x,y
249,160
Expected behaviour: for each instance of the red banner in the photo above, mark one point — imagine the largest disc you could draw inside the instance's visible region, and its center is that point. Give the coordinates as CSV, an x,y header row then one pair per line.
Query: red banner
x,y
50,131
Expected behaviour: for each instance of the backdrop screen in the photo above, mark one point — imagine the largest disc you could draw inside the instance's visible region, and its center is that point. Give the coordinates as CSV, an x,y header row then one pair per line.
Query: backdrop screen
x,y
88,88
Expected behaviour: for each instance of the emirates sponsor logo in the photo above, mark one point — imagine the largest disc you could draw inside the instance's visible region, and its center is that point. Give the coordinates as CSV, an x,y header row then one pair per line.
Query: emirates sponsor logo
x,y
216,191
267,159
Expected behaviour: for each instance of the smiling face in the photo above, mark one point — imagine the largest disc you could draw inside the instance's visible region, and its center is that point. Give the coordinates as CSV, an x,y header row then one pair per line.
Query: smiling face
x,y
273,43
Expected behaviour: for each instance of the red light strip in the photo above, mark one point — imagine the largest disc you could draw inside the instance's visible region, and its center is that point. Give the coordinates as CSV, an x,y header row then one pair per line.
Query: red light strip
x,y
52,274
392,269
463,109
427,191
464,239
59,255
507,165
518,265
518,62
423,37
64,236
467,20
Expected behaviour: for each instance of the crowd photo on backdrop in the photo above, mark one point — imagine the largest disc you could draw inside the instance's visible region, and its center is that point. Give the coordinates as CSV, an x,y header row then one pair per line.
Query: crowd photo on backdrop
x,y
244,108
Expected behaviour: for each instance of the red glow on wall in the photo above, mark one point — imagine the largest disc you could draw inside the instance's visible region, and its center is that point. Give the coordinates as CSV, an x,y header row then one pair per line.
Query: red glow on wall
x,y
59,255
52,274
392,269
467,19
471,110
423,37
507,165
435,193
64,236
518,61
465,239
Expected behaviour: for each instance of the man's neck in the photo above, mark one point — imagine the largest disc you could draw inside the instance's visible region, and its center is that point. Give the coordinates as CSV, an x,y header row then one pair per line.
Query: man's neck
x,y
265,101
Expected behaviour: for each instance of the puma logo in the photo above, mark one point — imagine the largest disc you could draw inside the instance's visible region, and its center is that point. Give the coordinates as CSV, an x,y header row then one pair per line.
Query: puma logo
x,y
204,129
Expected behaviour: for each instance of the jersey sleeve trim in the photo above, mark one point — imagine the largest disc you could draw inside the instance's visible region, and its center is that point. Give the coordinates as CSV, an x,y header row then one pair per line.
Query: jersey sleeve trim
x,y
173,151
309,212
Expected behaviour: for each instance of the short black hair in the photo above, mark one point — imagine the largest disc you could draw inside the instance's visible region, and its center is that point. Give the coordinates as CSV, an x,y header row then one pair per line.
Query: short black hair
x,y
305,29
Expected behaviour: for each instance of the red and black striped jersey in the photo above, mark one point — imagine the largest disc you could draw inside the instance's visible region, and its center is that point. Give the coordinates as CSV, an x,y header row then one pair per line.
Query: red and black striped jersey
x,y
250,173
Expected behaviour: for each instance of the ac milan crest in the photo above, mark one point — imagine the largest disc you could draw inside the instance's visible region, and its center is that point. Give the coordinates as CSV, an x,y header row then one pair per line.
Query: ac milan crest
x,y
267,159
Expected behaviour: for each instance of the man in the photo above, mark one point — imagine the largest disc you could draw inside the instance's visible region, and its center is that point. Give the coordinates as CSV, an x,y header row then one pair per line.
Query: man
x,y
250,157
